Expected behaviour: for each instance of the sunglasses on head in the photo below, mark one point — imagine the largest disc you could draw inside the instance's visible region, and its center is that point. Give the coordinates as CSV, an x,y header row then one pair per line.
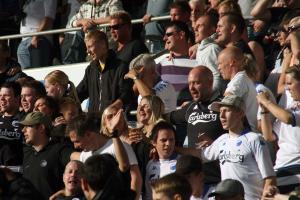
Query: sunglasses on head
x,y
116,26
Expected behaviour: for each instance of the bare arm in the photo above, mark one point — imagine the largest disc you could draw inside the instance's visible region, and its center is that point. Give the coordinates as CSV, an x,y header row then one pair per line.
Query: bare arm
x,y
136,180
295,46
142,88
278,112
265,122
101,20
45,24
117,103
121,154
260,10
269,187
287,55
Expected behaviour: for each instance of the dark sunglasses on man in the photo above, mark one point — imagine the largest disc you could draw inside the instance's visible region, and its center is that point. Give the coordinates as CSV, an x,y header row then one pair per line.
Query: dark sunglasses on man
x,y
116,26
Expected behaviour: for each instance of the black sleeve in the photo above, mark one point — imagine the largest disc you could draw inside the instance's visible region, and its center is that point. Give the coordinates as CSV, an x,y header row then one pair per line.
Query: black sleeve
x,y
178,116
83,88
125,85
65,153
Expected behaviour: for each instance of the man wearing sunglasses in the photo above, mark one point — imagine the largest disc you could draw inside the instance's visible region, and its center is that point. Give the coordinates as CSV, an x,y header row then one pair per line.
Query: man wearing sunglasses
x,y
175,66
121,32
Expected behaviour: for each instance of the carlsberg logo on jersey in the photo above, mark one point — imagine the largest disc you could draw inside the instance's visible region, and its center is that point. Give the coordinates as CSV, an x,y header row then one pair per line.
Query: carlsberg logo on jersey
x,y
197,117
230,157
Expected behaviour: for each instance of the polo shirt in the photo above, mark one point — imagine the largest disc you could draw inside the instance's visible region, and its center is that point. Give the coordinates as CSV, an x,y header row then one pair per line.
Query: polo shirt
x,y
45,168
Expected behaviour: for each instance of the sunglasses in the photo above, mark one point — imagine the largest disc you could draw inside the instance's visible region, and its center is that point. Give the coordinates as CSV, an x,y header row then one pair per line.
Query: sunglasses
x,y
116,26
293,28
169,34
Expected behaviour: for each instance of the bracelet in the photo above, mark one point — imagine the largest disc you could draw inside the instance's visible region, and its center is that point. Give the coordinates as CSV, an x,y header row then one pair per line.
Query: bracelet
x,y
135,78
264,112
115,134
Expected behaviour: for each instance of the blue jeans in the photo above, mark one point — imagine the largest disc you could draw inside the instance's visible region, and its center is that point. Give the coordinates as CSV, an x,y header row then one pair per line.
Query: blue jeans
x,y
74,48
30,57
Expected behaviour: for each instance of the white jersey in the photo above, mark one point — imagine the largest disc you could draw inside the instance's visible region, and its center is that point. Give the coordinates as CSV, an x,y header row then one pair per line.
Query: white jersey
x,y
156,169
242,86
289,140
166,92
245,158
108,147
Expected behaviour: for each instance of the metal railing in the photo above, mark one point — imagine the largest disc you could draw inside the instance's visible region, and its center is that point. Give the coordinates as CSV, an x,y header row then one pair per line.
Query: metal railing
x,y
63,30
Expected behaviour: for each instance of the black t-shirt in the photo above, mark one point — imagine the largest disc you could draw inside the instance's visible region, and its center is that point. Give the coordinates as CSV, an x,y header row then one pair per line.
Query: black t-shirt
x,y
45,168
11,141
200,119
131,50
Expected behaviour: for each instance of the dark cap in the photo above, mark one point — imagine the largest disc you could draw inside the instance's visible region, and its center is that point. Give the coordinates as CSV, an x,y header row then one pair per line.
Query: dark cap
x,y
230,100
35,118
187,164
228,188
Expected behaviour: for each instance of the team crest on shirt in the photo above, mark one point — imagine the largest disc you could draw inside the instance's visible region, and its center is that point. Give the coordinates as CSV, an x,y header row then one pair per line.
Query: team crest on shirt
x,y
202,117
15,123
43,163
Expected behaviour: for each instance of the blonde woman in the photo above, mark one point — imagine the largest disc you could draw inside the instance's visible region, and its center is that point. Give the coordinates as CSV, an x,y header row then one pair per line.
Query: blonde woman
x,y
58,85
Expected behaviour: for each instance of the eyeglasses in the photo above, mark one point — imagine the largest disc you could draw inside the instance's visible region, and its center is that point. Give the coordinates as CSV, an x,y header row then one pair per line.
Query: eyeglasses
x,y
293,28
116,26
169,34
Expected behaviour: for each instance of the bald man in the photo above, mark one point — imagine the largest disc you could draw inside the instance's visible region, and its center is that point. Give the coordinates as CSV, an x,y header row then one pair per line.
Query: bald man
x,y
199,119
231,66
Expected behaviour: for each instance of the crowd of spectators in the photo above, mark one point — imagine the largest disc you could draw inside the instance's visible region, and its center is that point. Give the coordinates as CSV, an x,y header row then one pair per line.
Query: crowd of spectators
x,y
202,106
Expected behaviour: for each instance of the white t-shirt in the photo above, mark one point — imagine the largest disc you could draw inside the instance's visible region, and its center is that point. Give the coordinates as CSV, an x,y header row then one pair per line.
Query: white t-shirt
x,y
245,158
36,11
242,86
156,169
289,139
108,147
166,92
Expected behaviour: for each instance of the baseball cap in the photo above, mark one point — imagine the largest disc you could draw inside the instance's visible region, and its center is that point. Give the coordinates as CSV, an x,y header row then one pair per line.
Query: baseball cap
x,y
34,118
228,188
230,100
187,164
